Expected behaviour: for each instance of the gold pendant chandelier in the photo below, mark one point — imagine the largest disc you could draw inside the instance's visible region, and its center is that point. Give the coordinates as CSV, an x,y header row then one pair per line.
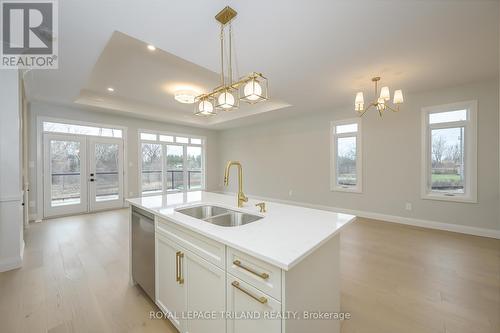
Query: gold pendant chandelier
x,y
252,88
381,102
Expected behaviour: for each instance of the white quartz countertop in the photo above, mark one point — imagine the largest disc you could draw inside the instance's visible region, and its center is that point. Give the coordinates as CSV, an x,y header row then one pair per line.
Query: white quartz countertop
x,y
285,235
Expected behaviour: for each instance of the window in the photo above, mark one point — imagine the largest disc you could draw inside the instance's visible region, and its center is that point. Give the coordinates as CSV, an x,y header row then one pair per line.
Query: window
x,y
81,129
346,174
171,163
449,152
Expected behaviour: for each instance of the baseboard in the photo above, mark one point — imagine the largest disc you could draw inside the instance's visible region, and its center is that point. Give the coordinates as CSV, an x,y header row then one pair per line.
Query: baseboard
x,y
463,229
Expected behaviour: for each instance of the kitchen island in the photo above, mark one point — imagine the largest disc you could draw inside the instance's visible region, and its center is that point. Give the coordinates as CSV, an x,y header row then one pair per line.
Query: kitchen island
x,y
278,273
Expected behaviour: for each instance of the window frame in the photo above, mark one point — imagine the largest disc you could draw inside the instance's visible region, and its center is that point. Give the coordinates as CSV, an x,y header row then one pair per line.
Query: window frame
x,y
334,186
470,151
164,145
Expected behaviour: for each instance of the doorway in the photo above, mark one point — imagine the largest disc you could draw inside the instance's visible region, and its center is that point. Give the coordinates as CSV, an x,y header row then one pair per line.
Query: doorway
x,y
81,173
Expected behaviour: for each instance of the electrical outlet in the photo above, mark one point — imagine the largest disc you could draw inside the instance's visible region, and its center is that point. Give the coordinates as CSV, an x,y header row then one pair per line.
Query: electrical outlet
x,y
290,193
408,206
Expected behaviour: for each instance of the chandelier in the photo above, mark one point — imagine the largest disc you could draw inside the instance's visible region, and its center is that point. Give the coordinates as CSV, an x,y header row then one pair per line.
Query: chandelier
x,y
252,88
381,102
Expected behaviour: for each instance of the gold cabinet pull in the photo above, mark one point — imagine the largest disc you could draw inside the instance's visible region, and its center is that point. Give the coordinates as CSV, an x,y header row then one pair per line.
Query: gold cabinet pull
x,y
178,267
238,263
261,300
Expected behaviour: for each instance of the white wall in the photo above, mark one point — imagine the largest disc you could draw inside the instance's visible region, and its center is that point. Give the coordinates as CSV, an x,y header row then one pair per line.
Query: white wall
x,y
133,125
293,154
11,223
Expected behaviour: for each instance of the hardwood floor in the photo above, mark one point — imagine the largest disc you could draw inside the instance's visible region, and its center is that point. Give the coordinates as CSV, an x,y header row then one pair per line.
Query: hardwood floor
x,y
397,278
75,279
394,279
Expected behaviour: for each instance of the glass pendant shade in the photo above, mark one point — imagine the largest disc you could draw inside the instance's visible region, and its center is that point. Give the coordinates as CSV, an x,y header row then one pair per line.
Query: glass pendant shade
x,y
227,100
385,93
398,97
255,90
205,107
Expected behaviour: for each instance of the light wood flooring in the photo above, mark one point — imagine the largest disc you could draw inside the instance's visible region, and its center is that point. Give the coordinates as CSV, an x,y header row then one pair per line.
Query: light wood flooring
x,y
394,279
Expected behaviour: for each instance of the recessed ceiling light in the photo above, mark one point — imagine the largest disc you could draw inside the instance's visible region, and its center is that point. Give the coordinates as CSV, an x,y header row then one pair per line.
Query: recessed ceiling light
x,y
185,96
111,89
151,47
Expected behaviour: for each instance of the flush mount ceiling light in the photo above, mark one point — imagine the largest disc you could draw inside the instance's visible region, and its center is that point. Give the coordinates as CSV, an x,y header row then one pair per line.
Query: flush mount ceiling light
x,y
151,47
111,89
252,88
381,102
185,96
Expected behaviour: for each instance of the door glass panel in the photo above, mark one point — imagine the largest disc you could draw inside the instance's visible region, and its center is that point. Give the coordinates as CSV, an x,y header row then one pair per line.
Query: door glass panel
x,y
447,163
151,168
66,175
175,166
194,167
107,168
346,161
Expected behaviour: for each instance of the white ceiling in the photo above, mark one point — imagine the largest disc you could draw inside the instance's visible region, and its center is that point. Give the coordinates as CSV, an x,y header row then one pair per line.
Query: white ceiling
x,y
316,54
145,82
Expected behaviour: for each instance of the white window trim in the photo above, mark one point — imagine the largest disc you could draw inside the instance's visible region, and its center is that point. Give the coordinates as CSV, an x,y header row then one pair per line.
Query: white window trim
x,y
333,155
470,125
163,144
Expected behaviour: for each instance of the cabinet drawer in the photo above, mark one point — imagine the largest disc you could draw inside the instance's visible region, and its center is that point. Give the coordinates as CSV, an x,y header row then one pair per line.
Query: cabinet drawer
x,y
259,274
243,298
210,250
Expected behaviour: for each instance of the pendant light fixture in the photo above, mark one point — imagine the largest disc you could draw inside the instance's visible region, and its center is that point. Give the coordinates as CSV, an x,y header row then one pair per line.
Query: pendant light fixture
x,y
252,88
381,102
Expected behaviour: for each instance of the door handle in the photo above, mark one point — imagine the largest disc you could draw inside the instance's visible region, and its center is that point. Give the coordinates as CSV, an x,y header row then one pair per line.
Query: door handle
x,y
91,179
91,175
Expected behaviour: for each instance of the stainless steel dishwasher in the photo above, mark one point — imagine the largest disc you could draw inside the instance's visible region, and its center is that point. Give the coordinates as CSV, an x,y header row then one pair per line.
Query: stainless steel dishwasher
x,y
143,250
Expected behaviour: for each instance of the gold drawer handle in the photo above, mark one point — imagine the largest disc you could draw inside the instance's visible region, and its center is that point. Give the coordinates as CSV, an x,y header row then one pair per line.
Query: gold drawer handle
x,y
261,300
264,276
178,267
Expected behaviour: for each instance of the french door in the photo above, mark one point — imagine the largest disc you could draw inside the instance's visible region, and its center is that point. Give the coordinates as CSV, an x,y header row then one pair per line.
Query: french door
x,y
82,174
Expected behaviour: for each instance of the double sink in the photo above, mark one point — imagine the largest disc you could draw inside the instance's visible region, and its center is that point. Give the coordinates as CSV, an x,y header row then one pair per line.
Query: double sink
x,y
219,215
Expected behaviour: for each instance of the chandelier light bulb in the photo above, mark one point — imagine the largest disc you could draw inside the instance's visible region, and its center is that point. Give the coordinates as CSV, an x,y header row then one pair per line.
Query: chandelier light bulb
x,y
206,107
226,100
252,90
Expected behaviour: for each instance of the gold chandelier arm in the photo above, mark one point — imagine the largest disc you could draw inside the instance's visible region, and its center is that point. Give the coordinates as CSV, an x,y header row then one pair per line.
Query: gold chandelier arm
x,y
392,109
230,54
366,109
222,54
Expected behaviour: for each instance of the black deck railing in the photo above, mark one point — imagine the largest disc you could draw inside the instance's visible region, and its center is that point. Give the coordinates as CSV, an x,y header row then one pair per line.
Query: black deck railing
x,y
175,178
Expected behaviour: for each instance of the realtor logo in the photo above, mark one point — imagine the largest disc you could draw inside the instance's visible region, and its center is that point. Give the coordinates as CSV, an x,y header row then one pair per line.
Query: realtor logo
x,y
29,34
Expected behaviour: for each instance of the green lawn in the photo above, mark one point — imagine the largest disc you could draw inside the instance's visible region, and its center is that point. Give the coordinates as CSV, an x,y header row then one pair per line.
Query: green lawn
x,y
445,178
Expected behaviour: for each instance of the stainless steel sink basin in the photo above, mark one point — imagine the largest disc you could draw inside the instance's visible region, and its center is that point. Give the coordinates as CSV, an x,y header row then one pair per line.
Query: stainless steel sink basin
x,y
233,219
203,212
219,215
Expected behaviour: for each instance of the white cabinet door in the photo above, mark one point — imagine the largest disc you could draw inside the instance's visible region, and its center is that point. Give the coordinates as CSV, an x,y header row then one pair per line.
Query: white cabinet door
x,y
170,290
243,299
205,286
